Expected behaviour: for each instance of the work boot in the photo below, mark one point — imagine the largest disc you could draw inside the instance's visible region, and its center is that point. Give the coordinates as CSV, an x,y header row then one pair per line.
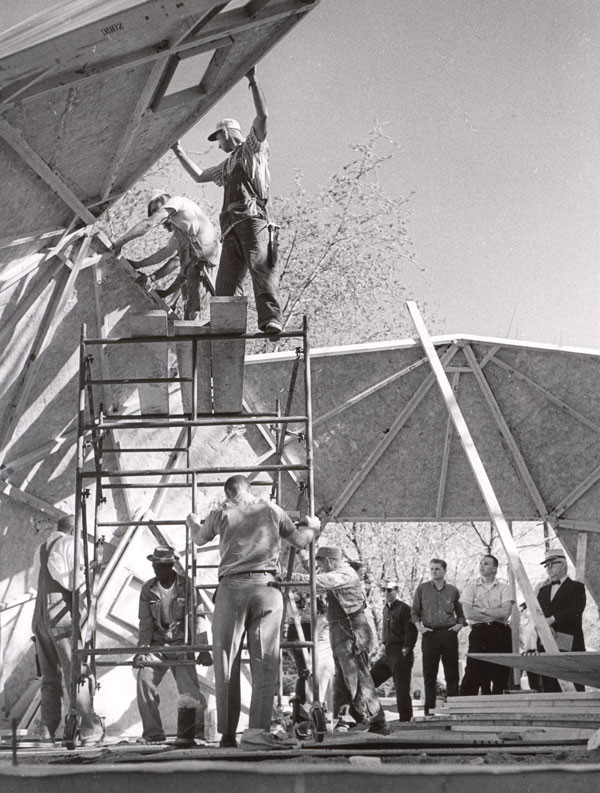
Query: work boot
x,y
186,727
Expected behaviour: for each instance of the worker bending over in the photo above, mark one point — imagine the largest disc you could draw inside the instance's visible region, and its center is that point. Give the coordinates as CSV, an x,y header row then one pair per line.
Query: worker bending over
x,y
195,242
350,636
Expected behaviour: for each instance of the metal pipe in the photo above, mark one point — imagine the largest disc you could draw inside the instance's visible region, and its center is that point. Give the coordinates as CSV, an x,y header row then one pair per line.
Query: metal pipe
x,y
186,471
220,420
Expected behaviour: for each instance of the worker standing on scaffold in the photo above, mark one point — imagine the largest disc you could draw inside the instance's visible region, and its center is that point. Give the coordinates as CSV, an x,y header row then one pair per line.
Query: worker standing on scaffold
x,y
247,229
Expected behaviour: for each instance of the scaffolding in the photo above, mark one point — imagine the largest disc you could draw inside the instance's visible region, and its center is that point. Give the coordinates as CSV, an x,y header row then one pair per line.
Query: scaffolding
x,y
95,428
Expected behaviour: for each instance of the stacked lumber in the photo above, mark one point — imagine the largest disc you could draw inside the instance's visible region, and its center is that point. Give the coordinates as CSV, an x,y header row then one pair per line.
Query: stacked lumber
x,y
577,710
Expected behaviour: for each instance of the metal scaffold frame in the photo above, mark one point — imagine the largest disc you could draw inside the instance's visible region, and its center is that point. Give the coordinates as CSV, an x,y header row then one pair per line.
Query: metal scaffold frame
x,y
93,429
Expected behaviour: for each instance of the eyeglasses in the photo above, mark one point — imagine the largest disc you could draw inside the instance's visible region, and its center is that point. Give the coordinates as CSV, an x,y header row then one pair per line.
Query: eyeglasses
x,y
553,564
393,589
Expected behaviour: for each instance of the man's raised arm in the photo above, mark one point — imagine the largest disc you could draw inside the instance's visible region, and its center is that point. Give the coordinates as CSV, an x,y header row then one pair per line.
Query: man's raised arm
x,y
260,105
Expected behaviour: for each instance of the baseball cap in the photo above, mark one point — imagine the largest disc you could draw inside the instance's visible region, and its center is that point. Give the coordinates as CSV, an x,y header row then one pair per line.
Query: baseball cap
x,y
226,123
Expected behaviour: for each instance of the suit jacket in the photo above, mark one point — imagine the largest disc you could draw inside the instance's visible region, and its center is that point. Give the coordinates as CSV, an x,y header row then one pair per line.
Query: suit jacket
x,y
567,609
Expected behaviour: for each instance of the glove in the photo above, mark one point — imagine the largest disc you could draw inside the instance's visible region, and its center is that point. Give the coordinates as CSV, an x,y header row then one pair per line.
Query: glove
x,y
311,522
204,658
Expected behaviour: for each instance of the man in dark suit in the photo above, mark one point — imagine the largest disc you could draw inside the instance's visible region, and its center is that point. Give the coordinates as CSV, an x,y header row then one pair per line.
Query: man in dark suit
x,y
562,601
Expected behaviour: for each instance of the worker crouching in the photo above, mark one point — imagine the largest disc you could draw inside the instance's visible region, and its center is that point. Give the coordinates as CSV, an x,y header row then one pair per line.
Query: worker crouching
x,y
164,601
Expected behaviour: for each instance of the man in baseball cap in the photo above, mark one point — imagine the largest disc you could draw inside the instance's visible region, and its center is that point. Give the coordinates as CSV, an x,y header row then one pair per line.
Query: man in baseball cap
x,y
248,230
227,125
350,636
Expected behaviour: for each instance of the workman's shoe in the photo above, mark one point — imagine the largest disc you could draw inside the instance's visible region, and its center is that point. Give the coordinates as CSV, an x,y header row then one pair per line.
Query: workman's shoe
x,y
379,727
44,736
260,740
273,327
154,741
92,740
228,742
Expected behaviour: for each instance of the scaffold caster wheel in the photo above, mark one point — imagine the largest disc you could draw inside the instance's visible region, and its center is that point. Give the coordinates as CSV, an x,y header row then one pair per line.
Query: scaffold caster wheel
x,y
70,733
318,721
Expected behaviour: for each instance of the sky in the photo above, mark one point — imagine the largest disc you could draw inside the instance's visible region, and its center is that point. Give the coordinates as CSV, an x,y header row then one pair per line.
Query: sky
x,y
495,108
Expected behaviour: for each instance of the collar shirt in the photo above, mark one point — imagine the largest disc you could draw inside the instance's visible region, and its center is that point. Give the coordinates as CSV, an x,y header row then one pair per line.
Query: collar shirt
x,y
162,612
249,530
437,608
61,560
245,177
193,233
481,595
397,629
555,587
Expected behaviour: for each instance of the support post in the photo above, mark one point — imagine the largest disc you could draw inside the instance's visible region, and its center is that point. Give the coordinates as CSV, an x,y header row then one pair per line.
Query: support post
x,y
485,487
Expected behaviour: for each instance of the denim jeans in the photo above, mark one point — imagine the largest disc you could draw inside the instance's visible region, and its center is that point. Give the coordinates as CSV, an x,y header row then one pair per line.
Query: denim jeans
x,y
246,606
246,248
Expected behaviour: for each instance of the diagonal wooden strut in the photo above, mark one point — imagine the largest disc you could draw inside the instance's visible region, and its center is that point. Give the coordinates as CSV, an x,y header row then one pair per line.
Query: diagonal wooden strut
x,y
364,470
485,486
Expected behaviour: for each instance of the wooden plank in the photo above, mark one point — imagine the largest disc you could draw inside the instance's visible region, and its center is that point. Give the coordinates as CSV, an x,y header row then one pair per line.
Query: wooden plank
x,y
498,416
151,360
133,125
446,455
228,314
367,393
485,486
360,475
18,494
524,696
578,667
184,352
43,170
581,558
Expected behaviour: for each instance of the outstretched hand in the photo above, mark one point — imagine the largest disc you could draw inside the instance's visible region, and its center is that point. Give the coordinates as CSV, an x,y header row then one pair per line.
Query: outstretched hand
x,y
251,75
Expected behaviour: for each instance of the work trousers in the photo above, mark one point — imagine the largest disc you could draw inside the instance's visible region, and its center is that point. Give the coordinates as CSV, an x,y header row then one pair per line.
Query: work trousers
x,y
246,606
399,667
52,629
247,248
196,292
439,644
352,681
493,637
148,698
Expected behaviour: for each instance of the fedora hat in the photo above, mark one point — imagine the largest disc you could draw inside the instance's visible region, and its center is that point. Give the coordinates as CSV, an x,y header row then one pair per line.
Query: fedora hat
x,y
163,554
553,554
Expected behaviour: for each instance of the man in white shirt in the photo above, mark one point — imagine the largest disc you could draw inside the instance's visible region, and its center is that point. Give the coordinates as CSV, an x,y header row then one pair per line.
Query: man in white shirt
x,y
194,242
56,579
487,604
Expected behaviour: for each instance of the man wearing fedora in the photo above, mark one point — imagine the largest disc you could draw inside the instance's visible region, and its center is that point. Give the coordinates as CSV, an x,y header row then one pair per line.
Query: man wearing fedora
x,y
399,636
247,229
350,635
164,600
562,600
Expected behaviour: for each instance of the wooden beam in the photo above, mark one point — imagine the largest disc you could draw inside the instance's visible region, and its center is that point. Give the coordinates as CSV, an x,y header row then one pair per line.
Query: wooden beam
x,y
581,558
30,365
133,125
548,394
500,421
18,494
17,142
577,525
213,69
39,453
361,474
485,486
446,455
224,26
32,295
574,495
366,393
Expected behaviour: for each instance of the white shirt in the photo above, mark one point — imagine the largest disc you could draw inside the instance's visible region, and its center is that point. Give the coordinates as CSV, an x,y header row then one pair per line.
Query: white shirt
x,y
555,587
61,560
